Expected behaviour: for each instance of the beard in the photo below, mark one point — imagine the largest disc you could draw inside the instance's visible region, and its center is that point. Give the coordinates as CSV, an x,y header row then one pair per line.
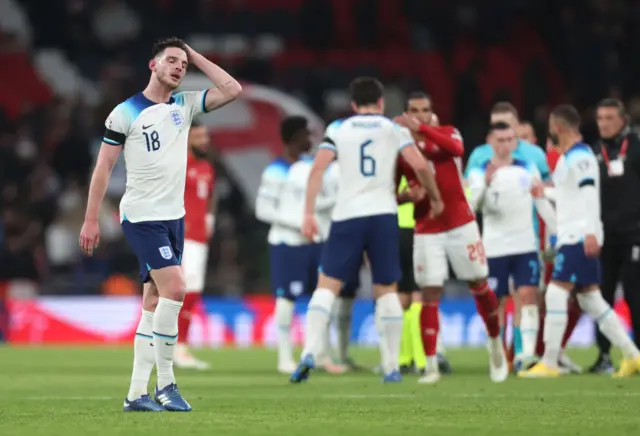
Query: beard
x,y
198,153
555,140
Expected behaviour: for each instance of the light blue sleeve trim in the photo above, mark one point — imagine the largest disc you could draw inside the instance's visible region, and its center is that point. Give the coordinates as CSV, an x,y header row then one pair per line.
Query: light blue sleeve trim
x,y
179,98
328,146
110,141
403,146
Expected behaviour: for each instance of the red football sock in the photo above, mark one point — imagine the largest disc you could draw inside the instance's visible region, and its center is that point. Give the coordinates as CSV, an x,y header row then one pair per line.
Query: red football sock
x,y
511,352
429,326
574,314
184,319
487,306
540,340
548,271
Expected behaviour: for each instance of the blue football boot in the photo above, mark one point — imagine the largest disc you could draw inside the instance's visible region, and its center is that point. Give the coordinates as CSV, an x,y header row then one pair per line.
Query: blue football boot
x,y
171,400
302,371
393,377
142,404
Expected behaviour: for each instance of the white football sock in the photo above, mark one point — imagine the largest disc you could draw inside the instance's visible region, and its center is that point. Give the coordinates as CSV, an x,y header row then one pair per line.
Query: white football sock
x,y
439,344
555,323
284,317
343,310
318,318
165,336
324,355
608,322
389,317
144,357
529,326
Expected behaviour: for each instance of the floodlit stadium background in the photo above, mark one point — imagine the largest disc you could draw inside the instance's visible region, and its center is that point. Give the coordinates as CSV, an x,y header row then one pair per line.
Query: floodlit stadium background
x,y
66,64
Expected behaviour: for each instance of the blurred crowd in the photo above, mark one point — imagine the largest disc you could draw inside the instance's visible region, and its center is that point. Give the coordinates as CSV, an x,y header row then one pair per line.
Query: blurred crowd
x,y
467,54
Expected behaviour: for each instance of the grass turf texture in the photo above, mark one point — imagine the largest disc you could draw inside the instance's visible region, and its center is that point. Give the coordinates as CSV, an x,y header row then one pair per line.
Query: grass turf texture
x,y
80,391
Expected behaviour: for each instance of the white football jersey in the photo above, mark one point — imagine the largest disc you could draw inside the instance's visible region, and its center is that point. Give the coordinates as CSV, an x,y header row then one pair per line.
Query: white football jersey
x,y
281,199
367,149
507,221
285,228
578,209
154,140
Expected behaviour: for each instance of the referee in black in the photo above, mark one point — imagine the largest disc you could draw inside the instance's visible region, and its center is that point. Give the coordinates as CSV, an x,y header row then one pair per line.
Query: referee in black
x,y
618,152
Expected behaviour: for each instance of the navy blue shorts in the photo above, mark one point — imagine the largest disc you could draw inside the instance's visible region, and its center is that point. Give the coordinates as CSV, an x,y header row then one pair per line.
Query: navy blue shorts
x,y
158,244
377,236
524,269
573,265
294,269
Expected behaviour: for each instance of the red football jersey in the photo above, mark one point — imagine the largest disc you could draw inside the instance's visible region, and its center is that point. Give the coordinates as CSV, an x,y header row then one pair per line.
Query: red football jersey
x,y
443,147
552,159
197,194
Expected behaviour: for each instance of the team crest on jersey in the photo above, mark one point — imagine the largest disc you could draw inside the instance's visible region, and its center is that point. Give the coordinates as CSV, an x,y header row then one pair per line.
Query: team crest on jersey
x,y
177,118
165,252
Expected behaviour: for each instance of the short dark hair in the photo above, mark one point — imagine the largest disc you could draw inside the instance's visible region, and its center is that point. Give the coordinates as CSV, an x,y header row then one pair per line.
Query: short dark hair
x,y
365,91
500,125
504,107
614,103
568,115
418,95
292,125
162,44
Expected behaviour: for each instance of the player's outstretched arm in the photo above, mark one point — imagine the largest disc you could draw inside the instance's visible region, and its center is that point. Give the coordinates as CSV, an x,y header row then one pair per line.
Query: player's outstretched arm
x,y
323,159
547,213
90,233
226,88
424,173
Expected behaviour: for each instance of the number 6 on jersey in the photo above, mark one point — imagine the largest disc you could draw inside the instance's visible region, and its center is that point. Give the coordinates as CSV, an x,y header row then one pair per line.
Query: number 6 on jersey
x,y
367,163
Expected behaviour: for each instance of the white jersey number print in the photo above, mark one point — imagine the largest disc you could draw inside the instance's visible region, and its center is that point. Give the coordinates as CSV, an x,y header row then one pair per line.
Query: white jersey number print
x,y
154,140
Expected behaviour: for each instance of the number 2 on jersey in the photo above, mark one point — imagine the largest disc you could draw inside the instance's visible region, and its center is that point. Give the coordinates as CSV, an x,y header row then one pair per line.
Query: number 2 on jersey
x,y
153,140
367,163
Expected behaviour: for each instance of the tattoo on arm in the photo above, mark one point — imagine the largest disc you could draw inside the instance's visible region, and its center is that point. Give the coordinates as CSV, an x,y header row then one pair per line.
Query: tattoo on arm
x,y
224,85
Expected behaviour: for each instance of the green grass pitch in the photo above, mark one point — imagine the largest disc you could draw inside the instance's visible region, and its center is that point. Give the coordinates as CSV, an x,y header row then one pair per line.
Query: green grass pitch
x,y
80,391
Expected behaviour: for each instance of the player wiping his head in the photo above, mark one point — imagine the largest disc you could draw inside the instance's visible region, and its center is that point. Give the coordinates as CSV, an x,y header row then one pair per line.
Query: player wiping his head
x,y
580,236
363,221
151,128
